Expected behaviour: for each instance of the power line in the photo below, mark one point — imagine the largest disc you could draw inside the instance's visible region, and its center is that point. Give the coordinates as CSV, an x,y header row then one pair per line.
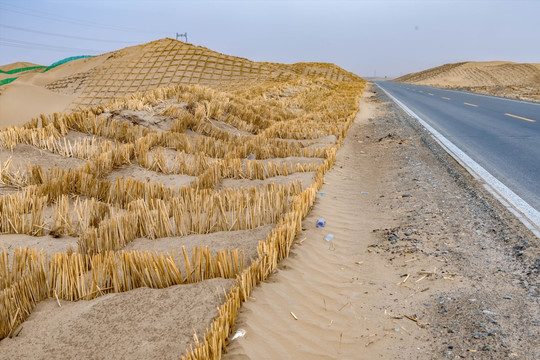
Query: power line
x,y
66,36
59,18
46,15
38,46
2,44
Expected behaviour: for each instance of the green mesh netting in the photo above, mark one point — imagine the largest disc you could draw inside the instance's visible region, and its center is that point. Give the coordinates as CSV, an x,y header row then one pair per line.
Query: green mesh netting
x,y
47,68
63,61
14,71
7,81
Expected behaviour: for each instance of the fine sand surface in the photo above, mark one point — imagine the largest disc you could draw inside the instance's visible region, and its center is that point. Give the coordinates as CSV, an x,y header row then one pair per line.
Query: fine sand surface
x,y
47,243
20,102
17,65
500,78
218,241
139,324
406,276
27,97
323,141
23,155
306,178
293,160
140,173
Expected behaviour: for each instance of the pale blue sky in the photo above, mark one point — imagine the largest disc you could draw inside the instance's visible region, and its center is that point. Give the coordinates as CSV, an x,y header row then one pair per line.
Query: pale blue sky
x,y
389,37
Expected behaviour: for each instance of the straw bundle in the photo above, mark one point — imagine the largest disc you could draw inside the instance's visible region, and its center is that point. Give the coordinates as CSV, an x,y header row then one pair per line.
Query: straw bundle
x,y
152,223
73,218
111,234
125,190
23,284
183,120
31,277
22,213
10,176
88,122
9,138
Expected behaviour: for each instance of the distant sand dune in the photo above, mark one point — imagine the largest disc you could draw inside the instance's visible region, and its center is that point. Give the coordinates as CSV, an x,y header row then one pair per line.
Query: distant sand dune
x,y
499,78
16,65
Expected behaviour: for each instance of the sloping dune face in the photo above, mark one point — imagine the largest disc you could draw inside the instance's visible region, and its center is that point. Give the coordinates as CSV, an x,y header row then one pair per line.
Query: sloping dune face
x,y
499,78
170,62
165,62
16,65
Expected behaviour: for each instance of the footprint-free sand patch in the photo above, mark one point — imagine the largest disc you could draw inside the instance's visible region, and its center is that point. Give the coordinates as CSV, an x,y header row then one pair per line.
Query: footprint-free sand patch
x,y
49,244
23,154
318,142
306,178
293,160
139,324
229,128
142,174
218,241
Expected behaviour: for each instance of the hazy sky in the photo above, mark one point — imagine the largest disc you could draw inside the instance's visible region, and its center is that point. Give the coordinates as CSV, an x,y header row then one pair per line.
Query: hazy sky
x,y
389,37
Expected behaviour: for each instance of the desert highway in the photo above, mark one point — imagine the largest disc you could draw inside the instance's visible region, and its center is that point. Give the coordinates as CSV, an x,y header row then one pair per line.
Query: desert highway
x,y
501,135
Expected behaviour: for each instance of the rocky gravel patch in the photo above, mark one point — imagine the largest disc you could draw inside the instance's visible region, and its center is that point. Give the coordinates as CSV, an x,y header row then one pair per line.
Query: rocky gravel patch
x,y
471,267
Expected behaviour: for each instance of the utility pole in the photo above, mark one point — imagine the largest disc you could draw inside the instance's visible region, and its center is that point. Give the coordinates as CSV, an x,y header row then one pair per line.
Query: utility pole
x,y
184,35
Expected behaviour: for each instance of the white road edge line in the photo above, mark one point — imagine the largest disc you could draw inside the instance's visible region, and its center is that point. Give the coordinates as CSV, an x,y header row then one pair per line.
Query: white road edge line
x,y
519,207
529,102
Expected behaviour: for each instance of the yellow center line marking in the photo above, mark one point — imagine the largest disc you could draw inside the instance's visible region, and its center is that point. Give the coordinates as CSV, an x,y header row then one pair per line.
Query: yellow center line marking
x,y
470,104
445,98
519,117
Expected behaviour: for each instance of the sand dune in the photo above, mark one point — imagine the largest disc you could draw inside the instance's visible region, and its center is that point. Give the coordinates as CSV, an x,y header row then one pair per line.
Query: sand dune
x,y
182,170
21,101
500,78
153,320
164,62
17,65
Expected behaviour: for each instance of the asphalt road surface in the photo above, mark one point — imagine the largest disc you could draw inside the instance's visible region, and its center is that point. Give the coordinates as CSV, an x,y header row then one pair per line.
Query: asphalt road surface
x,y
501,135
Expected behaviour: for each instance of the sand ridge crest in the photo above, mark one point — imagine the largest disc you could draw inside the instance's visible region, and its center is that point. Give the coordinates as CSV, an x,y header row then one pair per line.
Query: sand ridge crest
x,y
501,78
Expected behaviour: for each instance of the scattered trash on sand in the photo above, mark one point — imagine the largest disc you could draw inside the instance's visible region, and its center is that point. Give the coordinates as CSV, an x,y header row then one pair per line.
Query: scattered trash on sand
x,y
238,334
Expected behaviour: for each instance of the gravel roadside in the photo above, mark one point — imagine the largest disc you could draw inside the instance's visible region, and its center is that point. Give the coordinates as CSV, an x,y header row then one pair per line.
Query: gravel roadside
x,y
461,235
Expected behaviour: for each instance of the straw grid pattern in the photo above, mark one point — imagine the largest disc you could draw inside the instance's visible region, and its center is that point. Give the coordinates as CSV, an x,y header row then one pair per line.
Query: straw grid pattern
x,y
225,118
